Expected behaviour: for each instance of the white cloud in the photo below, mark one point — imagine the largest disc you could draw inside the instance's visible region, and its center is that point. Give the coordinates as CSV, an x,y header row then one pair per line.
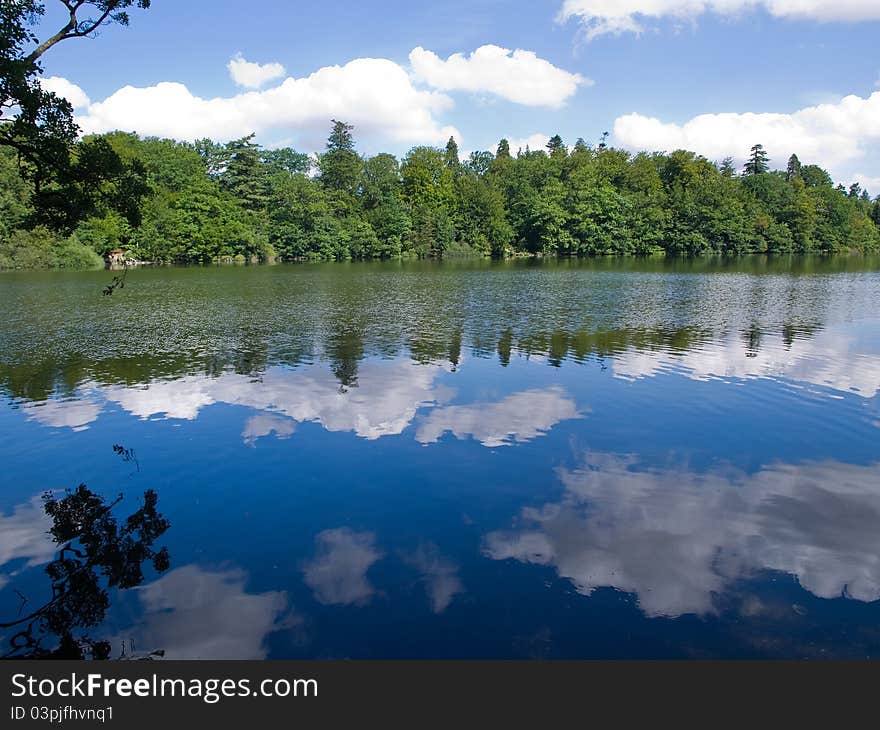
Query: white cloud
x,y
518,418
828,134
193,613
338,572
253,75
600,17
677,537
62,87
374,94
518,76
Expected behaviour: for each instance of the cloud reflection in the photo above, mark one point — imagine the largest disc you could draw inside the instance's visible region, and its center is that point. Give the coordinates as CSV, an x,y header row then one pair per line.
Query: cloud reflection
x,y
439,574
194,613
265,424
64,413
835,359
24,536
676,537
384,402
338,572
517,418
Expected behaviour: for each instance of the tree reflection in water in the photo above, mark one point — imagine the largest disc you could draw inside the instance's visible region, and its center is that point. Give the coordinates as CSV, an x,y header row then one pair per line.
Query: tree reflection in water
x,y
96,553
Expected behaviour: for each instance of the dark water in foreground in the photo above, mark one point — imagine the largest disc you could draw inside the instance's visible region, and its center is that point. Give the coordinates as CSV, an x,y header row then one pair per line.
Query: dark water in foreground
x,y
595,459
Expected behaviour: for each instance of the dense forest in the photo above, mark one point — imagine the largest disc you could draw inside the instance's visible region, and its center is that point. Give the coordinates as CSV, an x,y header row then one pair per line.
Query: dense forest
x,y
67,201
178,202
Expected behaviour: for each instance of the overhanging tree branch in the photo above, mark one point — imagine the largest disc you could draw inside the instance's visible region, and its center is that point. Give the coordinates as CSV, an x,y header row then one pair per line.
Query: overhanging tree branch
x,y
112,10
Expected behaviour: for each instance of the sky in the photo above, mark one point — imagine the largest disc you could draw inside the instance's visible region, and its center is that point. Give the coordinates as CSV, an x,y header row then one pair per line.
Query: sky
x,y
713,76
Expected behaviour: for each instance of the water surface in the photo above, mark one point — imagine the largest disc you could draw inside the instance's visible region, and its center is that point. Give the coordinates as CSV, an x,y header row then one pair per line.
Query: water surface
x,y
473,460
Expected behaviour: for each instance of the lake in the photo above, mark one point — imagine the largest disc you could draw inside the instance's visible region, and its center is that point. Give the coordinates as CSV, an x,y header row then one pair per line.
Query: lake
x,y
561,459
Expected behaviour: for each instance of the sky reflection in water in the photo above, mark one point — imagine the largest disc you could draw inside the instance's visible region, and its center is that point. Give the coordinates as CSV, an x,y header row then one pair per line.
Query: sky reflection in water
x,y
463,461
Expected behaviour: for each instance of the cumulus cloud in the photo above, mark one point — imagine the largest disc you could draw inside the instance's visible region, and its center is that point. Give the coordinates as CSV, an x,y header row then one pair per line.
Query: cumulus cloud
x,y
374,94
194,613
600,17
831,134
518,76
338,572
62,87
676,537
253,75
377,95
518,418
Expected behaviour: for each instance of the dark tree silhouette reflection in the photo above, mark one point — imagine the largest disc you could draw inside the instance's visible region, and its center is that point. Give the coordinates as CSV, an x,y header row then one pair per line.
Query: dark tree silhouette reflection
x,y
97,553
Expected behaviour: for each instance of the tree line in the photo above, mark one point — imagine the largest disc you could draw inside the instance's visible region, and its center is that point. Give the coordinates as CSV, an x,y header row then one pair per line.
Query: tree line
x,y
169,201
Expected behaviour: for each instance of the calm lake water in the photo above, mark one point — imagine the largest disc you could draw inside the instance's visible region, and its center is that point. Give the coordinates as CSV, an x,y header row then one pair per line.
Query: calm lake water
x,y
593,459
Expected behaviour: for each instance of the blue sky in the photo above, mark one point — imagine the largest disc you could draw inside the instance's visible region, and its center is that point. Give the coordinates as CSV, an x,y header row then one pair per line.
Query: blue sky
x,y
644,70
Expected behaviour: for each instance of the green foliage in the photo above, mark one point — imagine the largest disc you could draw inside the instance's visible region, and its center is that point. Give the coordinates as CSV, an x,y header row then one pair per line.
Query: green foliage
x,y
168,201
793,169
757,162
40,248
70,181
14,195
340,165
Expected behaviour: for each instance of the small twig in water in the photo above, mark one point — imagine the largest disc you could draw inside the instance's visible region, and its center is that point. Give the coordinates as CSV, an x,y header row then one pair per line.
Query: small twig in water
x,y
117,283
126,454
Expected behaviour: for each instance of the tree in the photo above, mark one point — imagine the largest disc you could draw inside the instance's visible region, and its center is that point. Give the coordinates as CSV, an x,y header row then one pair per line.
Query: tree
x,y
793,170
503,150
244,175
481,221
214,156
383,207
814,176
480,162
37,124
450,156
19,66
556,147
758,161
727,168
428,192
94,182
340,165
286,160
